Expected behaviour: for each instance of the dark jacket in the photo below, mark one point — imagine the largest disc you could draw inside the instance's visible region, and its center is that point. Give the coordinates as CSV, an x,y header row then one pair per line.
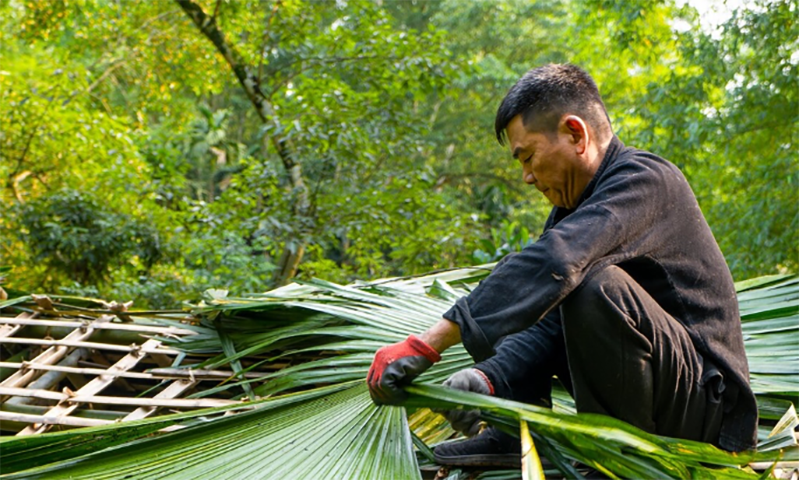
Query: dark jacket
x,y
638,213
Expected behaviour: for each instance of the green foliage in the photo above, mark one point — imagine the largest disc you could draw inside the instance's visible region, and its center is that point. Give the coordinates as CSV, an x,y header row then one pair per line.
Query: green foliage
x,y
389,109
729,120
510,237
75,234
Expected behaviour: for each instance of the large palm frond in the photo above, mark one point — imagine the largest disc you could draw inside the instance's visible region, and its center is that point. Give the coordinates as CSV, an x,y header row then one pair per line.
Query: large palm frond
x,y
306,436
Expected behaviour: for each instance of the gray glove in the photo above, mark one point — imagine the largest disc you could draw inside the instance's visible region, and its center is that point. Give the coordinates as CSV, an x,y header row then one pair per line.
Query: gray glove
x,y
473,380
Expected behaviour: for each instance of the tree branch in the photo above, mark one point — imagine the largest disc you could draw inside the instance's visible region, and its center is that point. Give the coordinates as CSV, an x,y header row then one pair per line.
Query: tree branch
x,y
249,82
15,185
114,65
319,61
264,38
301,208
37,124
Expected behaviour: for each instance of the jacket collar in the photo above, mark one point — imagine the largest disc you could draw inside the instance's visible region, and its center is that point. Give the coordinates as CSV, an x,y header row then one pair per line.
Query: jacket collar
x,y
614,148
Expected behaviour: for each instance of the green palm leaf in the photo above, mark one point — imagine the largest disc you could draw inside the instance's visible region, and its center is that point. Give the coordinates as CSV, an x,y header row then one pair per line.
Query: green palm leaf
x,y
337,436
20,453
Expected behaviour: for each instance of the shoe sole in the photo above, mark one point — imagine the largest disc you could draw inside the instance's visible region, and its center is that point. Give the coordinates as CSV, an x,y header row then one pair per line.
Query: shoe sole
x,y
485,460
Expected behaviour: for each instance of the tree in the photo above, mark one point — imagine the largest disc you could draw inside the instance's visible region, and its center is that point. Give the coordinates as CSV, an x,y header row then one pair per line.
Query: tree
x,y
287,63
728,117
387,110
80,238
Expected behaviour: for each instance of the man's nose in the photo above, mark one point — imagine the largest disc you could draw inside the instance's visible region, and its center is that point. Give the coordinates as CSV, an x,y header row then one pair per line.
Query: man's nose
x,y
527,176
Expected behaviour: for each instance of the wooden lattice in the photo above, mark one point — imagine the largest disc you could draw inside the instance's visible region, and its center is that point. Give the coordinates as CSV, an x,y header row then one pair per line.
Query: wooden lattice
x,y
62,368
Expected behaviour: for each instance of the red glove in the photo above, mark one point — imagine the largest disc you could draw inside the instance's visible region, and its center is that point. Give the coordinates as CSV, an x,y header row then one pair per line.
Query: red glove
x,y
396,366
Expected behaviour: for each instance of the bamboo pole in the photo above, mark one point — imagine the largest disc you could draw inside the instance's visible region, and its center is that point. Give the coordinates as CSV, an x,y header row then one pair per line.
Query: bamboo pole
x,y
90,345
122,401
95,385
165,314
172,391
77,370
201,374
116,326
7,330
156,373
50,356
108,336
48,420
51,377
9,326
85,413
100,356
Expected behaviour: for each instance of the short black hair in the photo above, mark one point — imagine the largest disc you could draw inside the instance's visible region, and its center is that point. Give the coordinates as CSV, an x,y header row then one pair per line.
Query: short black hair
x,y
546,93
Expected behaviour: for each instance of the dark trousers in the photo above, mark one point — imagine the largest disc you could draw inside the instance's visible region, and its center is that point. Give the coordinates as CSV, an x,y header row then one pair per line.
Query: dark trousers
x,y
629,359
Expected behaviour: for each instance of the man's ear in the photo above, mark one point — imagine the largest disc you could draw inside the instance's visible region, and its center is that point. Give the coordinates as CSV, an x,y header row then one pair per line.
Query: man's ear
x,y
578,130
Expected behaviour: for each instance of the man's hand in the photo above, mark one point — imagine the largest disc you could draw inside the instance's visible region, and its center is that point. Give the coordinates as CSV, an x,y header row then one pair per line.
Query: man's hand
x,y
473,380
396,366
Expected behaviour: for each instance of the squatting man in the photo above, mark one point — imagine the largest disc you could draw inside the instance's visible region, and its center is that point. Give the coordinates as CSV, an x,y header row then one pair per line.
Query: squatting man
x,y
625,297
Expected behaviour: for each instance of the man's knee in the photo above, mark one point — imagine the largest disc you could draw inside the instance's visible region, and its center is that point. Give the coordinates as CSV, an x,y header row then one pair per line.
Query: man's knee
x,y
603,283
583,306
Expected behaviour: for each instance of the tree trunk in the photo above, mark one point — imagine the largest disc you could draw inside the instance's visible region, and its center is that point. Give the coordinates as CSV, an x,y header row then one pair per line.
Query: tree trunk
x,y
290,260
251,83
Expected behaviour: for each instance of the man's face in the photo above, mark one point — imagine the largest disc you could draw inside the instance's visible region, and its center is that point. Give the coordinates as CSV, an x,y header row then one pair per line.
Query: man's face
x,y
555,164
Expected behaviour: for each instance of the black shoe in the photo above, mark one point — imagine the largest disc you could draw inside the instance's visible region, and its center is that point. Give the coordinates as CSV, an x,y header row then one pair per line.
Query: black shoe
x,y
491,448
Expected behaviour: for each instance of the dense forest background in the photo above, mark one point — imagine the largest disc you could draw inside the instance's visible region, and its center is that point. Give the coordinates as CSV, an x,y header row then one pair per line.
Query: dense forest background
x,y
151,150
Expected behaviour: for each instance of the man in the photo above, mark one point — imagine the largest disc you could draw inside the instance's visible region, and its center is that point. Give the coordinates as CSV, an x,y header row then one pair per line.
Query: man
x,y
625,297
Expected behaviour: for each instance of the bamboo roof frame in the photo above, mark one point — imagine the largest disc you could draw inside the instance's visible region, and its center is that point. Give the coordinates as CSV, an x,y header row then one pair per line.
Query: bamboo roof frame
x,y
64,379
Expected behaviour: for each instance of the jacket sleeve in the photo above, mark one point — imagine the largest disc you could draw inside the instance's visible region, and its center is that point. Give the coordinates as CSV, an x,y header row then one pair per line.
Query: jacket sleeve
x,y
524,356
613,224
